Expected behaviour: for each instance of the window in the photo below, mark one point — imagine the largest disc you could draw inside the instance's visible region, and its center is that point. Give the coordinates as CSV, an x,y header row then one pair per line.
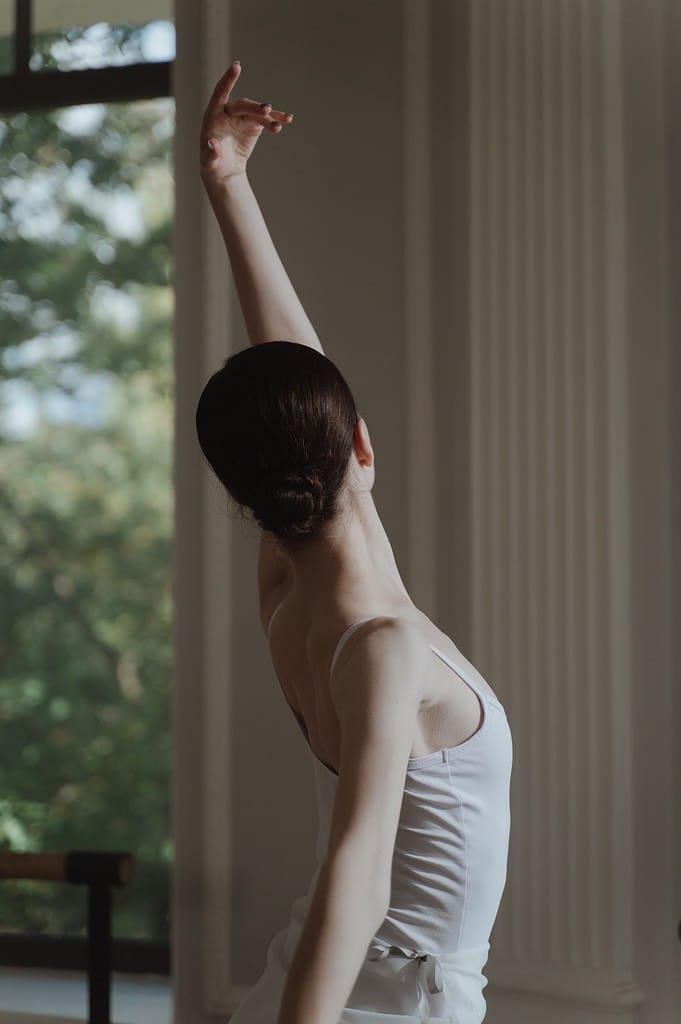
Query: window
x,y
77,51
86,396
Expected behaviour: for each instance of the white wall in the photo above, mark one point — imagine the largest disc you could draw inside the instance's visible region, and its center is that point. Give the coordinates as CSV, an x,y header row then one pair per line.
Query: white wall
x,y
497,289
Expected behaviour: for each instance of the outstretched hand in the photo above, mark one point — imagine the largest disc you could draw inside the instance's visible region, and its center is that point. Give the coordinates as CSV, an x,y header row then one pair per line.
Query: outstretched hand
x,y
230,129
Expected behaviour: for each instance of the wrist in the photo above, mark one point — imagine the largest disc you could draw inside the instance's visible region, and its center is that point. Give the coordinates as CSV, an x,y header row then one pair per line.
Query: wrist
x,y
225,186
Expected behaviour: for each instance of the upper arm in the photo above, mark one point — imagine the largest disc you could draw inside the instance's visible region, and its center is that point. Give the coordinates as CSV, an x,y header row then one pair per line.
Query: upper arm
x,y
300,337
377,688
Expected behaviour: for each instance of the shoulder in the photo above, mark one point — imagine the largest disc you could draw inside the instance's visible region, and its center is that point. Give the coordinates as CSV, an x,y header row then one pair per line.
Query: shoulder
x,y
385,656
273,576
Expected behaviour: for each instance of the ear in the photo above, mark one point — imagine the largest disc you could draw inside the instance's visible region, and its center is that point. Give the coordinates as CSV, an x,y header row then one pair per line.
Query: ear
x,y
362,444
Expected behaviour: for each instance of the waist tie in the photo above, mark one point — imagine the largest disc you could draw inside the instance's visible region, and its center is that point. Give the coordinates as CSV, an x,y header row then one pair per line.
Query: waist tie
x,y
432,979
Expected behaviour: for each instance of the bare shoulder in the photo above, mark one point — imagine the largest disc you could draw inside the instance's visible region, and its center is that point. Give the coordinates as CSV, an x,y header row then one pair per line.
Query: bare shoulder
x,y
273,575
386,656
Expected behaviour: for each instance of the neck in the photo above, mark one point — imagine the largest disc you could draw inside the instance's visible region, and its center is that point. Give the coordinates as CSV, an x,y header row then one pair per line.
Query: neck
x,y
354,559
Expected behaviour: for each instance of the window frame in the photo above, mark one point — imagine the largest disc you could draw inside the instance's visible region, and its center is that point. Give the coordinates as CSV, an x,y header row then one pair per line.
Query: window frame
x,y
24,89
27,90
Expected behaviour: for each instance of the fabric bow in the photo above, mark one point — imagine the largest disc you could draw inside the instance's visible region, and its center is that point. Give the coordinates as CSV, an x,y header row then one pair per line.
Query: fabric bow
x,y
429,976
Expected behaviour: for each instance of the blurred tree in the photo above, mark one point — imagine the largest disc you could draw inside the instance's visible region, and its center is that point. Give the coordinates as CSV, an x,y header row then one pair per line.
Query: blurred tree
x,y
86,414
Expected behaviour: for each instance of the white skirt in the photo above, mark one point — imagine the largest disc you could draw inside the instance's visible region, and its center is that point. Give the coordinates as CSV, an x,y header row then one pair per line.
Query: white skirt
x,y
393,986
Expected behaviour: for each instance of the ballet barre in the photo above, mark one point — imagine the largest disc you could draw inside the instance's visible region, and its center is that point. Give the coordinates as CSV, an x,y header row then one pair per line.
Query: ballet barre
x,y
99,870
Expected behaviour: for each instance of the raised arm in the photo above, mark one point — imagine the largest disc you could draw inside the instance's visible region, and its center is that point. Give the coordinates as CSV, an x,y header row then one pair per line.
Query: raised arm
x,y
229,131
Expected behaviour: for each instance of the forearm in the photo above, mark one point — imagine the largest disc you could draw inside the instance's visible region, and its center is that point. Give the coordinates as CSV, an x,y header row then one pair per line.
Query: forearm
x,y
344,916
272,311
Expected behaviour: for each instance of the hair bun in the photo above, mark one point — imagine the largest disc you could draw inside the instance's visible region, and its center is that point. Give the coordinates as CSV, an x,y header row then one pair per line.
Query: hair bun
x,y
301,483
291,502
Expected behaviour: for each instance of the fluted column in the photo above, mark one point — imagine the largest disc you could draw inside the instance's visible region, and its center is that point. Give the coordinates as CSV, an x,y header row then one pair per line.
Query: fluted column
x,y
550,488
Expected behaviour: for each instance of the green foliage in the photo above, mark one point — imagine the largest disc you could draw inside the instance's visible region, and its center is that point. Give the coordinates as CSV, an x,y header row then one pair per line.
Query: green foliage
x,y
86,414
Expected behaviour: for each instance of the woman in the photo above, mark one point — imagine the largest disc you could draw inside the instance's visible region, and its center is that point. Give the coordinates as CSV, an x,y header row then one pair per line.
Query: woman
x,y
412,752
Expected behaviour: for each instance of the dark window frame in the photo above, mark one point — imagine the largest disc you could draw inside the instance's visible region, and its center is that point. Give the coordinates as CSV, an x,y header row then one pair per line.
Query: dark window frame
x,y
26,90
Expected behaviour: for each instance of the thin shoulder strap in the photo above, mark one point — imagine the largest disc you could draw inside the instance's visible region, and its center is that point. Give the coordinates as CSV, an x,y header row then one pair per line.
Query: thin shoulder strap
x,y
269,624
345,636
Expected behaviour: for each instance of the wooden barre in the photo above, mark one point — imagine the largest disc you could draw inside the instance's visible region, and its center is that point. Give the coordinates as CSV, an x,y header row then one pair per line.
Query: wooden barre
x,y
77,866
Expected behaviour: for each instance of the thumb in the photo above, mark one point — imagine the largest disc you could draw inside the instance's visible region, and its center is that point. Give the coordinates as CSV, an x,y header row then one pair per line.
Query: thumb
x,y
211,152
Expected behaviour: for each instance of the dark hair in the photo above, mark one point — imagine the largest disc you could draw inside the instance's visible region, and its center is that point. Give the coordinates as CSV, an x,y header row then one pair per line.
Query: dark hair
x,y
276,423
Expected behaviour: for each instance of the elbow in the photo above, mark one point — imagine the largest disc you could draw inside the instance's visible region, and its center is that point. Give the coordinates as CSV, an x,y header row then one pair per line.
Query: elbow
x,y
377,905
382,898
379,900
353,880
383,912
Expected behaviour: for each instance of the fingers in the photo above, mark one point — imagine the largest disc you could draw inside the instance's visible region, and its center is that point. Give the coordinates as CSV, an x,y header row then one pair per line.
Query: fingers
x,y
223,89
279,115
224,86
260,112
244,108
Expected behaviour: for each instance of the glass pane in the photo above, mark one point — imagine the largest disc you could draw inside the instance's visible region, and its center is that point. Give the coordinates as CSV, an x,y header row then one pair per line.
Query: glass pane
x,y
6,38
86,424
77,34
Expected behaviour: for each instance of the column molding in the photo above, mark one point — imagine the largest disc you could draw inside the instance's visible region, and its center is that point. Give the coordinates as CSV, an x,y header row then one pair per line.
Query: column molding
x,y
202,573
550,488
220,996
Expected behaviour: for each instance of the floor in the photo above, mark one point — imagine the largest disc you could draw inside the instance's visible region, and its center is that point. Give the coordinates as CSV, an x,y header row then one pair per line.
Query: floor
x,y
32,996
